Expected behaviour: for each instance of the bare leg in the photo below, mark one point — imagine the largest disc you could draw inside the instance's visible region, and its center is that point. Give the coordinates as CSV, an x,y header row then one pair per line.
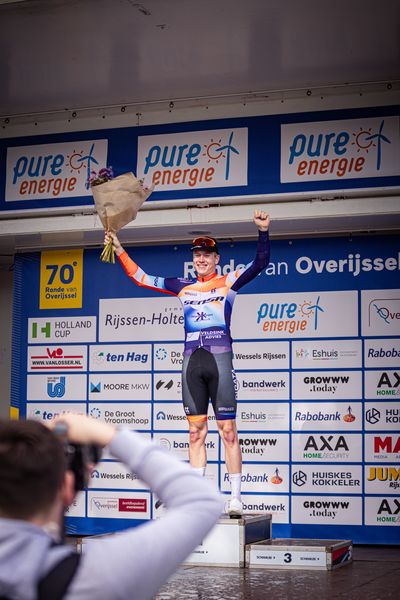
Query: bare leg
x,y
197,450
233,454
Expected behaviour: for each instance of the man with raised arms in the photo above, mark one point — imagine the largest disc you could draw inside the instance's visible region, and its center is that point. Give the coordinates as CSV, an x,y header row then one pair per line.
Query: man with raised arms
x,y
207,370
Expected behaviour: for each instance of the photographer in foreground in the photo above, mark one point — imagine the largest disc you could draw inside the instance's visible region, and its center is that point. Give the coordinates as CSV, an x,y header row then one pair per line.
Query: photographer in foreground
x,y
36,487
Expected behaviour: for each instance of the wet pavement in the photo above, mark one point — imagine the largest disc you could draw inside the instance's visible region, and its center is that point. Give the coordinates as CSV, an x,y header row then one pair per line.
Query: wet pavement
x,y
374,574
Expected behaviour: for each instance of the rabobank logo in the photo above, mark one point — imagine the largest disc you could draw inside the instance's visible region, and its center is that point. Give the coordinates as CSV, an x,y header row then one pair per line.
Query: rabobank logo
x,y
193,160
61,170
335,150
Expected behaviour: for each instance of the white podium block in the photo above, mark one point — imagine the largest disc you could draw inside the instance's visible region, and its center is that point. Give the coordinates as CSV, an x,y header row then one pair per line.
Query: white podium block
x,y
277,553
225,545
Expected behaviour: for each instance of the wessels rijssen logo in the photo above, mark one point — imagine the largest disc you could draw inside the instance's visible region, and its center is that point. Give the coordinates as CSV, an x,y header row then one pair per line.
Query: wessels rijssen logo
x,y
290,317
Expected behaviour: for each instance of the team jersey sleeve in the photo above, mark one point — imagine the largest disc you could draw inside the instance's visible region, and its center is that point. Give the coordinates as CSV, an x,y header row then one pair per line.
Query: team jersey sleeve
x,y
171,285
242,276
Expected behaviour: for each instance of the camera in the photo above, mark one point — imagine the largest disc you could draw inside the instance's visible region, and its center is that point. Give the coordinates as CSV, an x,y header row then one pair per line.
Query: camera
x,y
78,456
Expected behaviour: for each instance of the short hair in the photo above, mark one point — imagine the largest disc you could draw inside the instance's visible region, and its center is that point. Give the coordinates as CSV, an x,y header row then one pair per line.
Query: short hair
x,y
32,468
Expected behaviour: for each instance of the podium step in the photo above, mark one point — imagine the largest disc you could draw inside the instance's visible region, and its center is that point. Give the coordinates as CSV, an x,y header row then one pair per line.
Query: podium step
x,y
278,553
225,545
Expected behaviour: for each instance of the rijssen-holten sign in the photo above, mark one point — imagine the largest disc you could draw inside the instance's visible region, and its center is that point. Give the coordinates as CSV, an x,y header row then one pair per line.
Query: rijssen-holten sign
x,y
278,154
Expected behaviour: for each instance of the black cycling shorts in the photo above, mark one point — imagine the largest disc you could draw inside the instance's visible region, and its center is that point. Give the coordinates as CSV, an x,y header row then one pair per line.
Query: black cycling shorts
x,y
208,376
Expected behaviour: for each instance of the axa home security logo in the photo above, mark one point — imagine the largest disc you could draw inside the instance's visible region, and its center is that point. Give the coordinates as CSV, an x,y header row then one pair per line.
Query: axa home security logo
x,y
52,170
334,150
290,317
191,160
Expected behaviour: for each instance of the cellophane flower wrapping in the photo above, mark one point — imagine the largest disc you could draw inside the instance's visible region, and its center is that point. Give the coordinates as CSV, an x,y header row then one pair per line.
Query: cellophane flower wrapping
x,y
117,203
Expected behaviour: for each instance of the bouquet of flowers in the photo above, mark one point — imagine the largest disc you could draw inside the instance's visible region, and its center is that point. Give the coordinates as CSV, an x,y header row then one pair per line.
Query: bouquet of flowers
x,y
117,201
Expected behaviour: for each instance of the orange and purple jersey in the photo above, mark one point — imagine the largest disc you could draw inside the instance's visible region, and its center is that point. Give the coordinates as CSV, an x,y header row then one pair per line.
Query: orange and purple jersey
x,y
207,302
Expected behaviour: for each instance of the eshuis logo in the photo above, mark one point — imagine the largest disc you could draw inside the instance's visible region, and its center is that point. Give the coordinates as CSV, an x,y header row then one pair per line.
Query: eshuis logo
x,y
193,160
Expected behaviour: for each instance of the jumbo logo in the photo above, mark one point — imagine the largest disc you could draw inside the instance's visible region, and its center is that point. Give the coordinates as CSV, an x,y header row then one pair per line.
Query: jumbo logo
x,y
334,150
192,160
53,170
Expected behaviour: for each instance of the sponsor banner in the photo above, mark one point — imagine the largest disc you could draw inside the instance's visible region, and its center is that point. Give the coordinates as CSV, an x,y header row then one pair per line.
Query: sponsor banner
x,y
56,387
194,159
118,505
168,357
262,447
171,416
334,354
297,315
178,444
262,416
77,508
382,416
61,285
136,319
381,510
114,475
260,355
382,385
47,411
326,385
326,416
382,353
167,386
277,506
380,312
325,479
382,480
57,358
327,447
134,416
327,510
262,386
342,149
123,357
128,387
66,329
52,170
267,478
382,447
